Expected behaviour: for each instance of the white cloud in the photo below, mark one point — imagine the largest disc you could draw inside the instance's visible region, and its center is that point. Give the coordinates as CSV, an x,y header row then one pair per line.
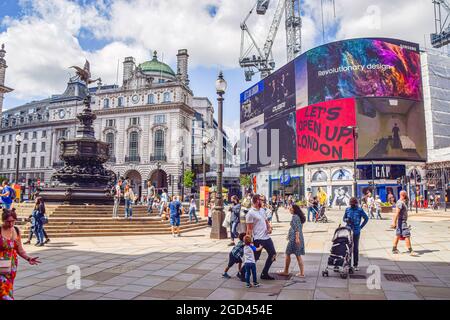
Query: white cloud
x,y
44,42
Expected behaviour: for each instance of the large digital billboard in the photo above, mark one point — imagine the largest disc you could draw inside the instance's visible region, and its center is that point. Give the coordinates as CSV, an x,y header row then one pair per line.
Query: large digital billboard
x,y
374,84
364,68
324,131
391,129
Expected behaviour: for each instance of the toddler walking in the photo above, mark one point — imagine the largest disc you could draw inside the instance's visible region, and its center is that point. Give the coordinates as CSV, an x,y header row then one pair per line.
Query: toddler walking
x,y
250,262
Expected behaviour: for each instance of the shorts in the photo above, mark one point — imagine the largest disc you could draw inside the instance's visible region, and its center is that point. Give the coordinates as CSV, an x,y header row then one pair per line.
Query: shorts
x,y
403,230
233,260
175,221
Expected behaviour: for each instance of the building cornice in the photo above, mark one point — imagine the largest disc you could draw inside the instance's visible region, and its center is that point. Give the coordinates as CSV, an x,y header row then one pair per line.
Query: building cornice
x,y
4,89
47,124
153,107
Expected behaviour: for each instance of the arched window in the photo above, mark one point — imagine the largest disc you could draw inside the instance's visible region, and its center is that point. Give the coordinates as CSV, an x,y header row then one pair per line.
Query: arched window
x,y
320,176
106,103
166,97
341,175
159,144
151,99
110,139
134,145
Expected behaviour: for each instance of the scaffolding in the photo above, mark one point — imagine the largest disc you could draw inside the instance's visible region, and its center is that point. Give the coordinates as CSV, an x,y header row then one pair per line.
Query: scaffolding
x,y
437,177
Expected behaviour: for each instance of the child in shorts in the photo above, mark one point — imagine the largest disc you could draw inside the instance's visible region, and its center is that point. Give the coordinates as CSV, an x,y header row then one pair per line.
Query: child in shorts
x,y
235,257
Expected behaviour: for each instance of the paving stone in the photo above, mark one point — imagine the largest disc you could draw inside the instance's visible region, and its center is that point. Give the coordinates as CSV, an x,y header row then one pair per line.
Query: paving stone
x,y
171,285
401,295
122,295
331,294
156,293
150,281
101,289
84,295
227,294
296,295
427,291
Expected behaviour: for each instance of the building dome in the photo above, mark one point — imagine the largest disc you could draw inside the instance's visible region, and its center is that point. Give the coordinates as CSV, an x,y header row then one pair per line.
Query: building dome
x,y
157,68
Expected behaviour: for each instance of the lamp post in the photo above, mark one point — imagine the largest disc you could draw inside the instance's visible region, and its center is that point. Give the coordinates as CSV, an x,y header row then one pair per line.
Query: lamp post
x,y
283,165
182,180
355,150
158,178
19,140
205,142
218,231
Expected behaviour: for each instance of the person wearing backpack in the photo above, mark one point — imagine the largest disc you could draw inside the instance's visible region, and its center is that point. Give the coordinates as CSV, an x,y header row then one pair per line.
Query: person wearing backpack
x,y
353,216
8,195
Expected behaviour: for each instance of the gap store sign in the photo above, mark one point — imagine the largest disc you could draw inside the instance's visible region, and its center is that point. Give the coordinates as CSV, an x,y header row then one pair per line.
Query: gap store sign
x,y
381,171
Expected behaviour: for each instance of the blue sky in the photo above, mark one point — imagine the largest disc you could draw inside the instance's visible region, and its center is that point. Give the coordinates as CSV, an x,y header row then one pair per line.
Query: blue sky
x,y
44,37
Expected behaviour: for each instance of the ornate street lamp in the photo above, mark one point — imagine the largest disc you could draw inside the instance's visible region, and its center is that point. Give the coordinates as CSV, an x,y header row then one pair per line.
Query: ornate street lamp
x,y
355,151
205,142
19,140
218,231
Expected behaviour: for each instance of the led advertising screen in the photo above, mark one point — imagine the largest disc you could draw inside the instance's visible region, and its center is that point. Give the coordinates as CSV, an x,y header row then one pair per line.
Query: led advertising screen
x,y
391,129
373,84
324,131
364,68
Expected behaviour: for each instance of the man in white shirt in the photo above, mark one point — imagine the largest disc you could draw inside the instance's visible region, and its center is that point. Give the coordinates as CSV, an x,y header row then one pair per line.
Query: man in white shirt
x,y
370,204
117,196
259,228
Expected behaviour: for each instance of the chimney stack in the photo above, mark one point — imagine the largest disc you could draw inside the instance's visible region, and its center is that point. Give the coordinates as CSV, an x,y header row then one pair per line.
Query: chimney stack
x,y
182,66
128,69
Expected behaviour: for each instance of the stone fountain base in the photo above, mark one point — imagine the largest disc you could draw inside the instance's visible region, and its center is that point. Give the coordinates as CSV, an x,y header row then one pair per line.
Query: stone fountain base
x,y
77,196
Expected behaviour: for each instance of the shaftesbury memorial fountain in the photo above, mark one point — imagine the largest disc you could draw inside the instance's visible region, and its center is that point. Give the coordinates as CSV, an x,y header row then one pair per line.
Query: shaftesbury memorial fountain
x,y
83,179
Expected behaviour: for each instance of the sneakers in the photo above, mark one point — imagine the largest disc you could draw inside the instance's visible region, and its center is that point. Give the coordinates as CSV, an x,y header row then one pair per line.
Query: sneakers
x,y
226,276
267,277
395,251
47,240
248,286
27,242
412,253
356,268
256,284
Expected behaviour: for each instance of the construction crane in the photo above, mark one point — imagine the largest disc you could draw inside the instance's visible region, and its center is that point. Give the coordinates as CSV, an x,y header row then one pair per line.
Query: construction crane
x,y
442,36
262,60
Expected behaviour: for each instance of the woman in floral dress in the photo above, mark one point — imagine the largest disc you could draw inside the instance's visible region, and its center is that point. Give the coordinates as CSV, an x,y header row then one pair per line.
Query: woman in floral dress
x,y
10,248
296,244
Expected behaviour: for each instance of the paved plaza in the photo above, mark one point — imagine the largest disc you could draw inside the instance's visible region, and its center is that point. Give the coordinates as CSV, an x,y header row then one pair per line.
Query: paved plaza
x,y
190,267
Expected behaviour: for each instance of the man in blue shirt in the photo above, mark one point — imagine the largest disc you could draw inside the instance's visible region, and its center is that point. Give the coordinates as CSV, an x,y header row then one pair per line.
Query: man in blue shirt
x,y
352,217
175,213
7,195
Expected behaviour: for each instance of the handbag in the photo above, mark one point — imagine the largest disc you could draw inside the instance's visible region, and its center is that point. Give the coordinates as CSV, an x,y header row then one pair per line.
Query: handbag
x,y
227,221
44,219
5,266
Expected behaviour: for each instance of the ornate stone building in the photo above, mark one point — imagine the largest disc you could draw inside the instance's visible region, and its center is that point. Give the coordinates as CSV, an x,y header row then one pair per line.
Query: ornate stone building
x,y
149,122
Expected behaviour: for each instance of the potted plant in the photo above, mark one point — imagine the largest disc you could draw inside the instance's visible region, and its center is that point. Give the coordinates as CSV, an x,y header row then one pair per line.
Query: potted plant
x,y
386,207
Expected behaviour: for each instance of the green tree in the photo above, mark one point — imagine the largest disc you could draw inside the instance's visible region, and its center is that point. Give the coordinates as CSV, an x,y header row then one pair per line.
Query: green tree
x,y
188,179
246,180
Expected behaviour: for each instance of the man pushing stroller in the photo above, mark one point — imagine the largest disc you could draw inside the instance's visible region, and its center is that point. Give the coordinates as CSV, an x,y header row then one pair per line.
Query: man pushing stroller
x,y
352,217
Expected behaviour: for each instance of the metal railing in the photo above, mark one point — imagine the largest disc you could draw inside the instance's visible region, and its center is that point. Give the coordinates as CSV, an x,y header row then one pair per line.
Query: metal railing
x,y
158,157
133,159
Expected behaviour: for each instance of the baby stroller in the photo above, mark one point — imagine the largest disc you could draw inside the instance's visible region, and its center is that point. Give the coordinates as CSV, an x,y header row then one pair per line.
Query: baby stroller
x,y
341,253
320,214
